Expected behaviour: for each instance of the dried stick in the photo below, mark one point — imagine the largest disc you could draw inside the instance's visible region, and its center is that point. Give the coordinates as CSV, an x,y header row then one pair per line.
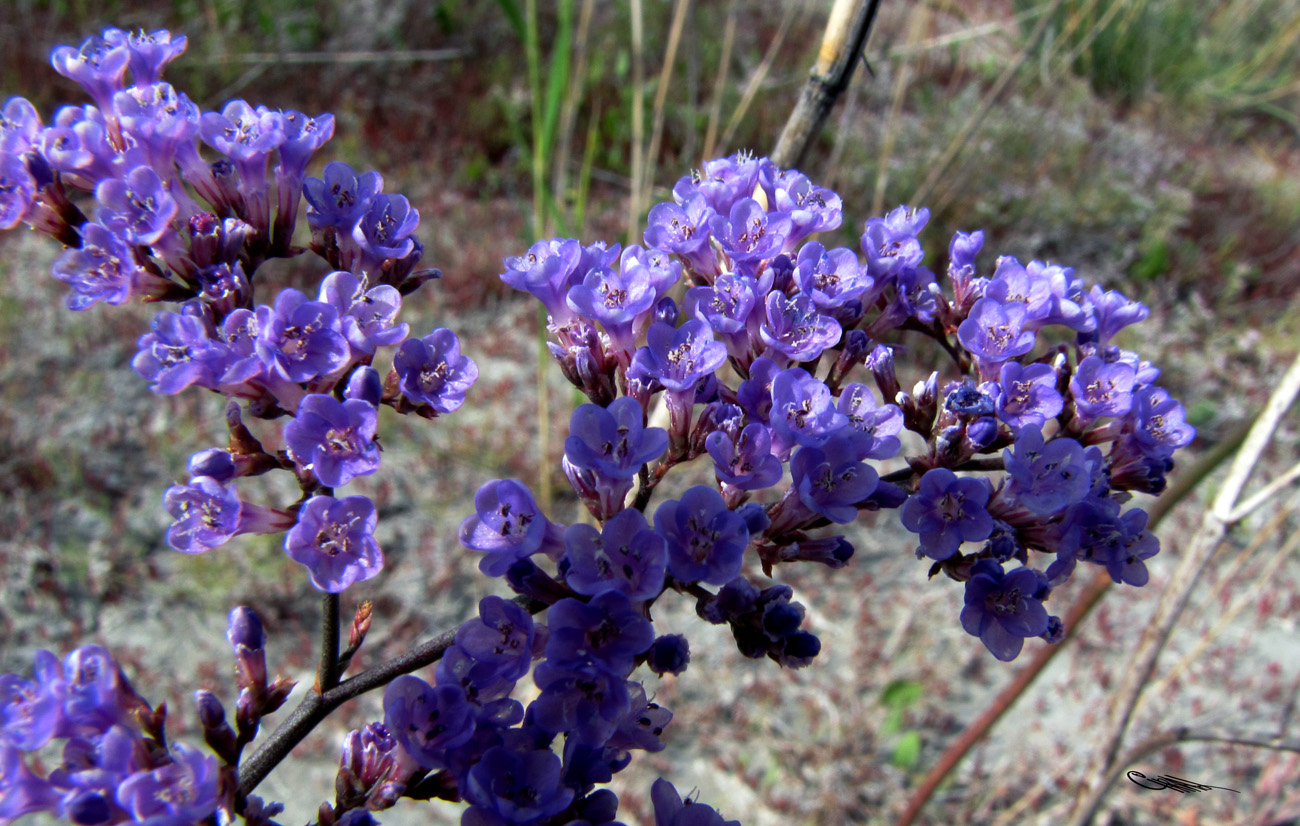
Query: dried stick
x,y
1092,594
1214,526
846,36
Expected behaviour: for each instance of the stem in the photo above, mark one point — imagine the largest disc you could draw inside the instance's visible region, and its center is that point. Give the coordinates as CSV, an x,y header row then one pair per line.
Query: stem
x,y
327,672
316,706
846,35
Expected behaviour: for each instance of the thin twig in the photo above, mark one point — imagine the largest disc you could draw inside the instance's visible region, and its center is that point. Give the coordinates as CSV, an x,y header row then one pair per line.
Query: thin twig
x,y
1214,527
315,707
846,36
1180,489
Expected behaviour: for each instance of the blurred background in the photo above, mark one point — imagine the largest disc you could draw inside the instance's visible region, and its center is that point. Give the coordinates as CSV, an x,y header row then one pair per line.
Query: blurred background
x,y
1153,145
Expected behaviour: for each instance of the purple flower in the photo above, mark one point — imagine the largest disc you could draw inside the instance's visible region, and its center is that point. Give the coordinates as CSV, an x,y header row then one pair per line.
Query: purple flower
x,y
334,539
671,810
367,315
385,230
157,117
831,482
17,190
679,359
103,269
137,207
723,181
803,412
1094,530
684,229
548,270
20,126
207,515
745,461
1050,294
811,208
615,298
1113,311
24,792
947,511
1028,396
1047,478
995,332
97,694
299,339
1102,389
336,439
99,65
613,441
31,711
178,354
793,328
1003,609
608,631
502,635
625,555
750,233
728,306
706,541
890,243
432,371
150,52
507,527
1159,422
830,277
876,428
340,197
183,791
514,786
582,699
242,133
427,720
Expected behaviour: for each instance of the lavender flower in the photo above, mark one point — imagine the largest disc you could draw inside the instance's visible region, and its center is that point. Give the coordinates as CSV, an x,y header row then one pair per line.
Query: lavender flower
x,y
995,332
300,339
427,721
706,541
334,539
336,440
208,514
625,555
432,371
1003,609
178,354
608,631
183,791
508,526
613,441
103,269
947,511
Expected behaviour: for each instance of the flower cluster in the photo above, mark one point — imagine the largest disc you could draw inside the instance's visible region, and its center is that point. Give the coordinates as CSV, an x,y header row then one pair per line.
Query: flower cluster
x,y
747,334
115,766
186,206
730,337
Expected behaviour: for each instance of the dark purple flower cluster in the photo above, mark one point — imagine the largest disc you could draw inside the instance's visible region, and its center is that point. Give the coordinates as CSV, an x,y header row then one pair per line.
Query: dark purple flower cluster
x,y
747,334
114,765
184,205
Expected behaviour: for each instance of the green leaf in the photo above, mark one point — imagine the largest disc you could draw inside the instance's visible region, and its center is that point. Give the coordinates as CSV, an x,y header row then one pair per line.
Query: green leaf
x,y
901,693
908,751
